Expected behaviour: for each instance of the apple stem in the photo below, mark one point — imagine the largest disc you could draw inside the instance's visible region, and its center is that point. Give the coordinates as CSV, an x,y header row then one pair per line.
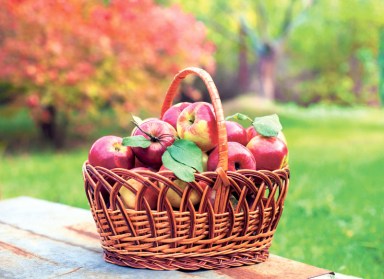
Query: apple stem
x,y
237,166
163,136
250,119
152,138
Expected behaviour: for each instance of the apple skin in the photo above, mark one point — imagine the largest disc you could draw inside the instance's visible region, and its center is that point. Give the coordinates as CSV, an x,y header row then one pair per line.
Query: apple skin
x,y
175,199
239,157
129,198
164,135
145,120
271,153
173,113
108,152
205,161
139,164
251,133
197,123
236,132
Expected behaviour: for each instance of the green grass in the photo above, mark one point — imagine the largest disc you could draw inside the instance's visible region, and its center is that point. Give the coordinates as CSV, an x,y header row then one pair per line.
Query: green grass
x,y
47,175
334,210
333,216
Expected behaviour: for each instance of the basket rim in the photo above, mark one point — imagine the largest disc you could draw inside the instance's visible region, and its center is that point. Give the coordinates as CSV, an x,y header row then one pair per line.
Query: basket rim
x,y
216,103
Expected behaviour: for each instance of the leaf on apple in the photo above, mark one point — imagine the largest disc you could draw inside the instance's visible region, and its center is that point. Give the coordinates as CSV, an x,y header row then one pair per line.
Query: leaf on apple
x,y
182,171
136,141
187,153
136,119
238,116
268,126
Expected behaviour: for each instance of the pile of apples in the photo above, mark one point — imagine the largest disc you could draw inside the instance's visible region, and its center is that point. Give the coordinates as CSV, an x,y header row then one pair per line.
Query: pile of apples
x,y
195,124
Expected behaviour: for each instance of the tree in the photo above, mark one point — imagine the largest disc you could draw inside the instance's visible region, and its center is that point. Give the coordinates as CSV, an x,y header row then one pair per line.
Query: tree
x,y
268,39
296,50
334,55
257,31
381,66
78,55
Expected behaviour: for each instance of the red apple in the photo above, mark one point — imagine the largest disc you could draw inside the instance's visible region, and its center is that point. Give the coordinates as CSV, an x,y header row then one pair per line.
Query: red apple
x,y
161,134
236,132
129,198
108,152
239,157
175,199
197,123
205,161
251,133
271,153
139,164
173,113
145,120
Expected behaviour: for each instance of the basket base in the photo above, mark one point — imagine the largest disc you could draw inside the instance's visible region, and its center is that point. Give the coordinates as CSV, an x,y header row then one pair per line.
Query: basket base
x,y
188,263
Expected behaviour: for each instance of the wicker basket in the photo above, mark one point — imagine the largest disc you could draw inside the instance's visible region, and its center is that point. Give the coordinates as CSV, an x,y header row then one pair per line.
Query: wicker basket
x,y
209,235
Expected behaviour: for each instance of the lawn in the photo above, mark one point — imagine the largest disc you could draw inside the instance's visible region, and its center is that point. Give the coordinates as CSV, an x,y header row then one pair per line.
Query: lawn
x,y
333,216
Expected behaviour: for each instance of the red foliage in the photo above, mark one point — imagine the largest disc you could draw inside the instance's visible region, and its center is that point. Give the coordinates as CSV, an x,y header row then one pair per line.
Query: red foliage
x,y
72,50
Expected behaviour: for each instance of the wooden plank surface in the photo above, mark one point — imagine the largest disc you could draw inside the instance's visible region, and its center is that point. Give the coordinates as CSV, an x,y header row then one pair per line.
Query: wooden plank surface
x,y
40,239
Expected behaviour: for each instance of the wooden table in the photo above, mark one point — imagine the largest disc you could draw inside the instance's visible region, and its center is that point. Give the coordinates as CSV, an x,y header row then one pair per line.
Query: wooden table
x,y
40,239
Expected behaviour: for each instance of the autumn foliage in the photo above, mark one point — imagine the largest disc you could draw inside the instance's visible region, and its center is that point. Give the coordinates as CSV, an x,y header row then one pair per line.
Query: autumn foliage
x,y
77,54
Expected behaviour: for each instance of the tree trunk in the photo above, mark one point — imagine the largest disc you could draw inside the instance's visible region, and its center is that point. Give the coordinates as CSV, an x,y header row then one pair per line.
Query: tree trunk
x,y
381,67
46,120
356,73
266,70
243,70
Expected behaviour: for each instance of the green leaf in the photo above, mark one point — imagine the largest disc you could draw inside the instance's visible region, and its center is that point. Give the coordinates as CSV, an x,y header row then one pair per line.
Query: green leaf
x,y
268,126
136,141
239,116
136,119
187,153
182,171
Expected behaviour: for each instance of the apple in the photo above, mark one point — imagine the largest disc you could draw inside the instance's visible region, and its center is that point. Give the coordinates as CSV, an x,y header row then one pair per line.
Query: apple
x,y
175,199
139,164
129,198
236,132
251,133
271,153
205,161
197,123
145,120
173,113
239,157
108,152
161,134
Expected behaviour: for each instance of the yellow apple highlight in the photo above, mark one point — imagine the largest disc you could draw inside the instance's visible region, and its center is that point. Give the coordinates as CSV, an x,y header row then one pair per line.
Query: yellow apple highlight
x,y
197,123
129,198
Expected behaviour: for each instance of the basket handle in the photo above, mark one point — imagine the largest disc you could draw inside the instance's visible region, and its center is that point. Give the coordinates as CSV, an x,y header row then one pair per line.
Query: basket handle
x,y
216,102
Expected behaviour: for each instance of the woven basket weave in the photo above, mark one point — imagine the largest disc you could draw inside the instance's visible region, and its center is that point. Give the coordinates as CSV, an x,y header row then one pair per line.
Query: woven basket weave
x,y
209,235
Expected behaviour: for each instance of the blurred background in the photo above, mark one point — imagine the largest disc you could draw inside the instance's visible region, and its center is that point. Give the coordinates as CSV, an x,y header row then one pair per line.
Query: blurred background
x,y
72,71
